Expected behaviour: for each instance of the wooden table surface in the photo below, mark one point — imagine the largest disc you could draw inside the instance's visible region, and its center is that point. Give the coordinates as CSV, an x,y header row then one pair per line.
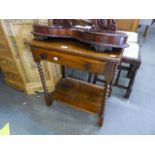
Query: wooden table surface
x,y
77,48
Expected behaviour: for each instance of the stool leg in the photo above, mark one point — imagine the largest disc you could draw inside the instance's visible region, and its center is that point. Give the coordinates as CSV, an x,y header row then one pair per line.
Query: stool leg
x,y
129,72
117,79
63,71
89,77
95,78
129,88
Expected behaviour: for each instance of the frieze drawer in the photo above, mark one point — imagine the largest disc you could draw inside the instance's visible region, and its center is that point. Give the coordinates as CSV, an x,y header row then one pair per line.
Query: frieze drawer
x,y
1,31
8,63
3,44
74,61
12,76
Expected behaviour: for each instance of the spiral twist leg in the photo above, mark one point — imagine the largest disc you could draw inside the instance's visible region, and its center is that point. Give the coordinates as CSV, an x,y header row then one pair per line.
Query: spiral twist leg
x,y
48,100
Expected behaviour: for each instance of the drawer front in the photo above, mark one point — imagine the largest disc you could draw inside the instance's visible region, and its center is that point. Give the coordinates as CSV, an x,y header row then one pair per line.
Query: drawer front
x,y
1,31
8,63
74,61
3,44
10,76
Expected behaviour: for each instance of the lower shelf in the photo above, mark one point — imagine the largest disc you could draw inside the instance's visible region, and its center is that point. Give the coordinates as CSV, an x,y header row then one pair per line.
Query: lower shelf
x,y
82,95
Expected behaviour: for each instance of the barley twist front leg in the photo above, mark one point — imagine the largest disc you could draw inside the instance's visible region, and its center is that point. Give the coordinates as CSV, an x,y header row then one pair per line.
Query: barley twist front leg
x,y
101,114
47,97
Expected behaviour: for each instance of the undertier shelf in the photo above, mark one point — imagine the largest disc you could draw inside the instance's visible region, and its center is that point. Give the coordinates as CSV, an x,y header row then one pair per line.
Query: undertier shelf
x,y
80,94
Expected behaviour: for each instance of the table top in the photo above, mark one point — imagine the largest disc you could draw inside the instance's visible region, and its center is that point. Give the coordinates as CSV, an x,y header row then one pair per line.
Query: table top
x,y
70,46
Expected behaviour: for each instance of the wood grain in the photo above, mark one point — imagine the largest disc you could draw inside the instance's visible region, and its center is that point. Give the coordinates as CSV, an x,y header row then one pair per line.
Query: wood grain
x,y
15,57
82,95
127,24
75,48
79,94
94,38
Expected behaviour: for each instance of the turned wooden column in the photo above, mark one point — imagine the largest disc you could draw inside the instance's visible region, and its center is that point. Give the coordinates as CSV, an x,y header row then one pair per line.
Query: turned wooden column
x,y
42,77
109,75
63,71
101,114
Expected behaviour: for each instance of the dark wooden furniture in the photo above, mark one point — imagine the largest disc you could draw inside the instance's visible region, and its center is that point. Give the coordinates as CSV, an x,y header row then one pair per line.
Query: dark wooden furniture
x,y
131,56
127,24
96,24
130,62
79,94
101,35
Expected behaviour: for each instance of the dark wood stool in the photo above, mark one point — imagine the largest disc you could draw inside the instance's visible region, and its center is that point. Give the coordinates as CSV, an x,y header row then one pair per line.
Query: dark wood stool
x,y
131,56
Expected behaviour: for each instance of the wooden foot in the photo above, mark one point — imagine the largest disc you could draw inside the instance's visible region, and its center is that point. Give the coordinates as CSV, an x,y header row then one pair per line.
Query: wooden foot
x,y
48,100
100,122
118,75
127,94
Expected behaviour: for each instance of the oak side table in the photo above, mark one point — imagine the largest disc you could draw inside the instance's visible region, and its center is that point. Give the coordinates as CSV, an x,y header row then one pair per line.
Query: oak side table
x,y
76,93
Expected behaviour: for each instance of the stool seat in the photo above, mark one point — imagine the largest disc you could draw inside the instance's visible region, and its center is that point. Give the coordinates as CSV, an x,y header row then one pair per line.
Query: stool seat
x,y
132,36
130,62
131,52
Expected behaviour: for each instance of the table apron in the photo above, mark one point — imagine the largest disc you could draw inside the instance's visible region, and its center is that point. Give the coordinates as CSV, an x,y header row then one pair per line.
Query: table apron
x,y
78,62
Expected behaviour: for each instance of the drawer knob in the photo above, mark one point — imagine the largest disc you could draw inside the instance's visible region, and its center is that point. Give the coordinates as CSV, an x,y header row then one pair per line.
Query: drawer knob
x,y
55,58
43,56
